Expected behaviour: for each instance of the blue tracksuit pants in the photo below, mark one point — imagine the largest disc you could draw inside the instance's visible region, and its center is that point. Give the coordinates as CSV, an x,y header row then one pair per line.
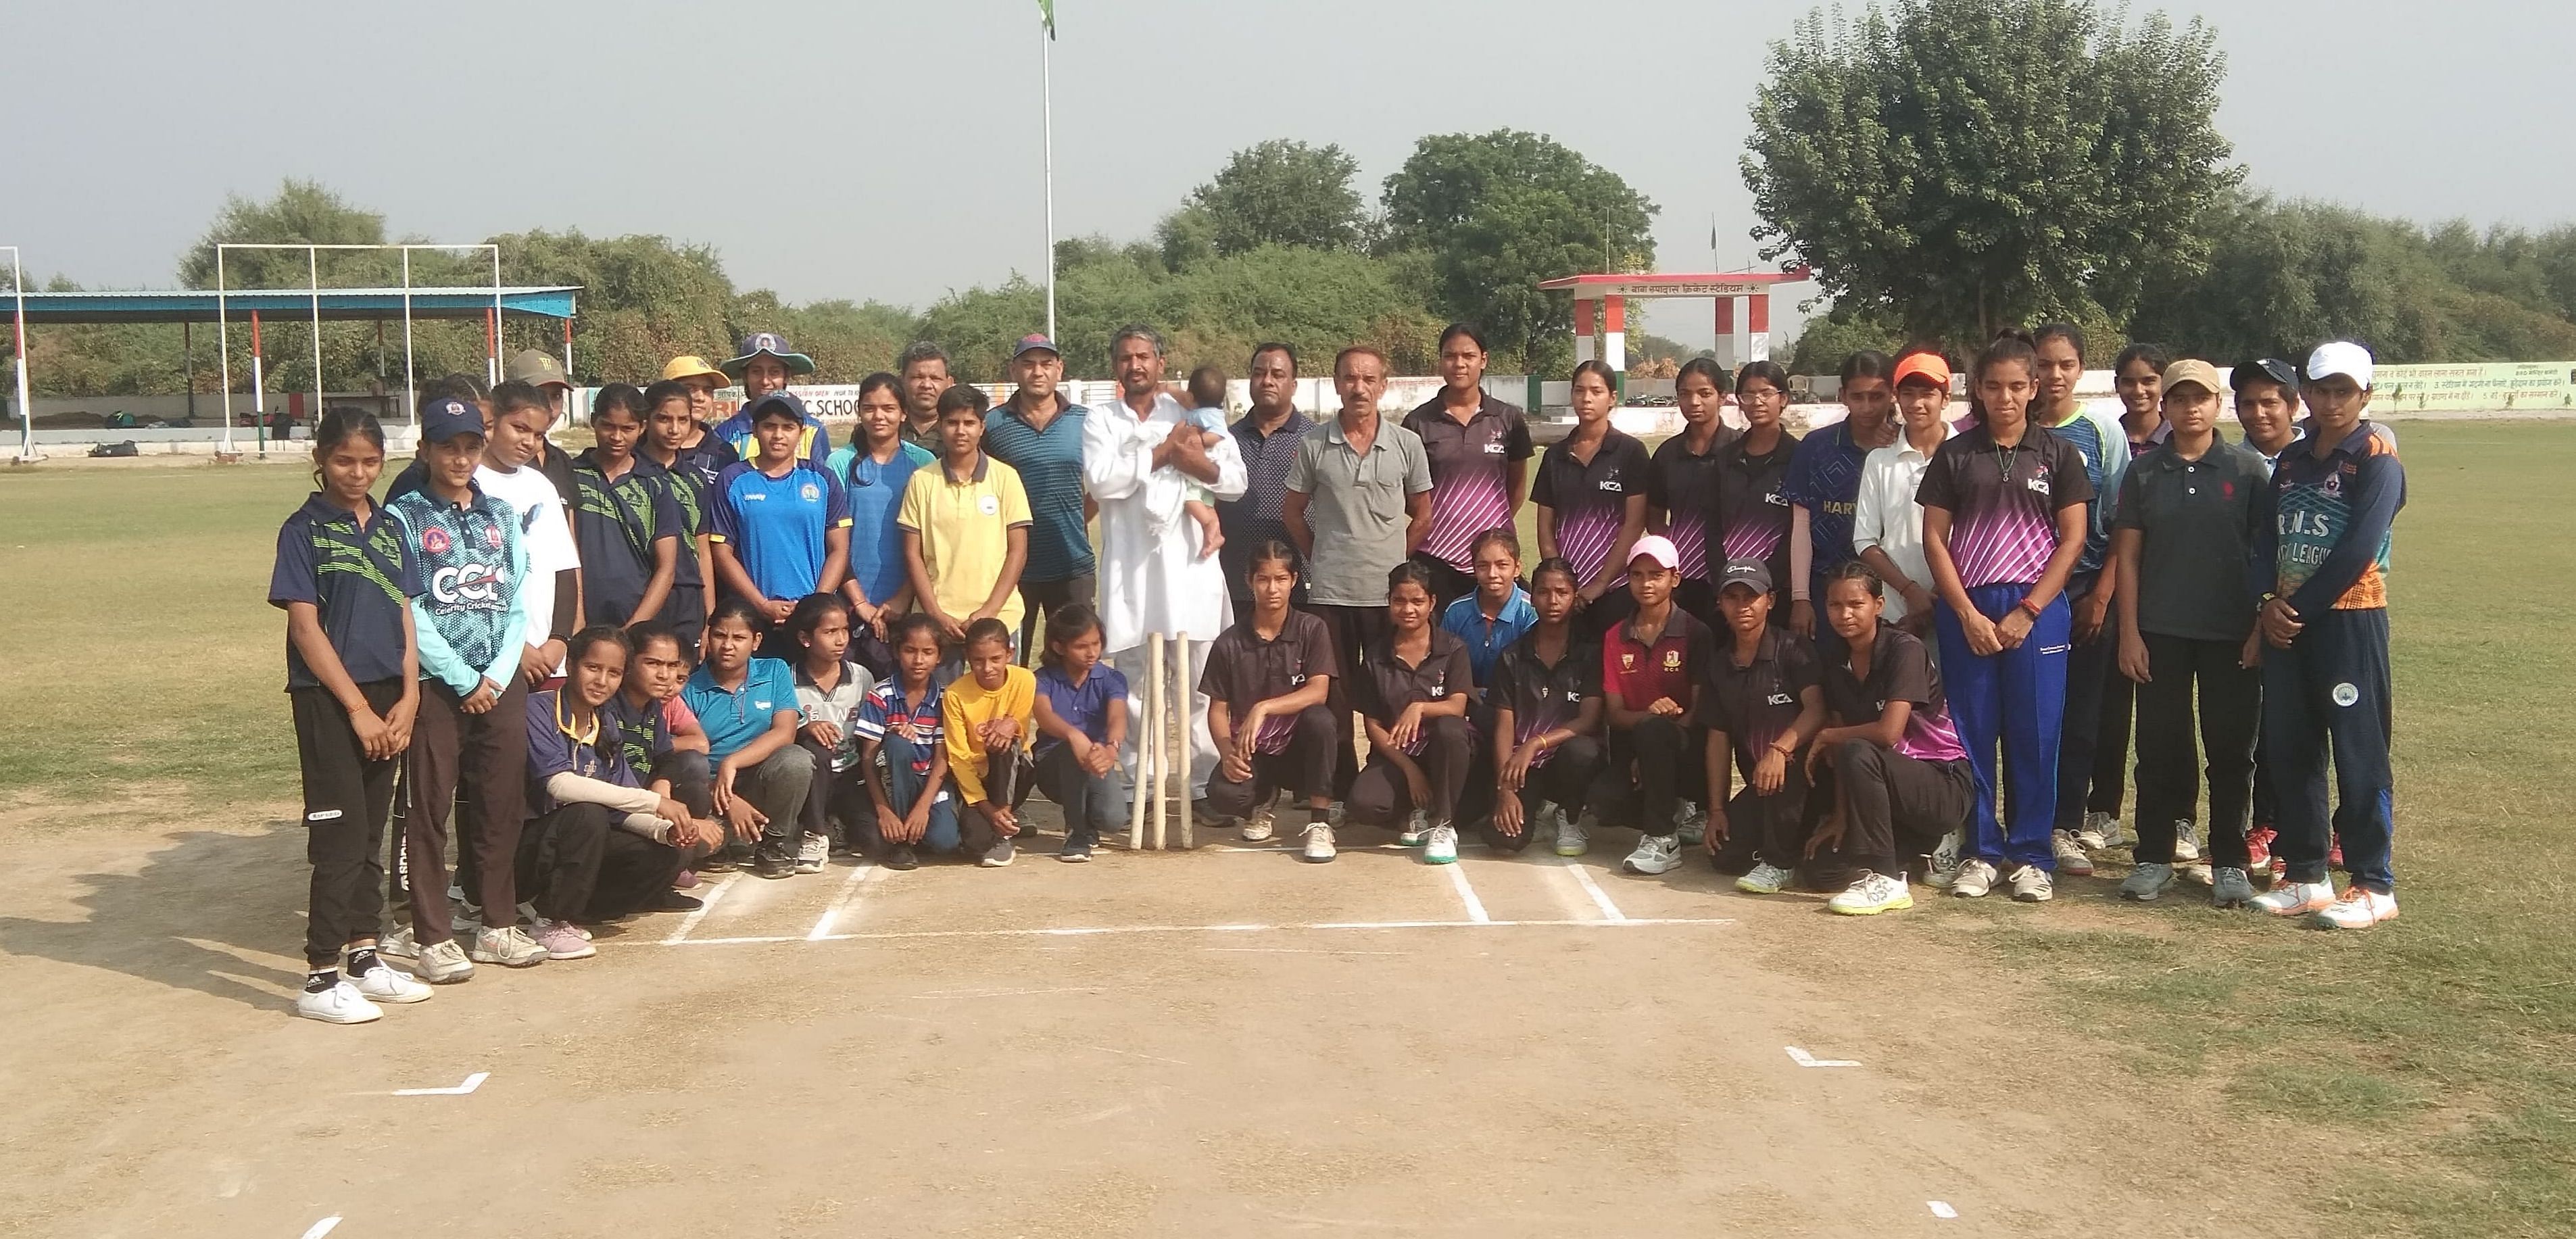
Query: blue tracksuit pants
x,y
2329,695
2015,697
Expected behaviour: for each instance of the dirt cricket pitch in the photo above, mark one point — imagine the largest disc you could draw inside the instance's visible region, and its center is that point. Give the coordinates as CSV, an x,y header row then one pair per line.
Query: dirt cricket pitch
x,y
1227,1042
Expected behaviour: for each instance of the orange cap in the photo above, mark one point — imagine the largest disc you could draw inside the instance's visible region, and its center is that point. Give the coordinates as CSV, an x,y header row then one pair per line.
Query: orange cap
x,y
1927,366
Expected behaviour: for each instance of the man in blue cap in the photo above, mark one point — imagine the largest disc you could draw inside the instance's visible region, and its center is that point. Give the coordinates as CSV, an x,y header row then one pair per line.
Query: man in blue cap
x,y
764,366
1038,431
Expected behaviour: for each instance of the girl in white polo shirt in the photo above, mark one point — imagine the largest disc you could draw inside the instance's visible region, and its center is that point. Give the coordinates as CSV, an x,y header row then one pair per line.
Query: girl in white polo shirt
x,y
1887,524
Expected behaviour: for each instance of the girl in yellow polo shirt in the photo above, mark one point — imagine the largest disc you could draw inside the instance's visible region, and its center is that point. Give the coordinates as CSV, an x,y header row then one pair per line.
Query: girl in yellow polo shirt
x,y
965,526
985,718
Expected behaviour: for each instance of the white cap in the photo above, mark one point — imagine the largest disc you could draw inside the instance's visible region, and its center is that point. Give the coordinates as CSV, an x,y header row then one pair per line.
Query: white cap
x,y
2340,357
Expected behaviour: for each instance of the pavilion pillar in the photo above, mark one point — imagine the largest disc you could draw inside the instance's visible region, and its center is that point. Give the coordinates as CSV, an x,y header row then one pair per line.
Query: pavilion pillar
x,y
1614,329
1582,330
1728,355
1757,326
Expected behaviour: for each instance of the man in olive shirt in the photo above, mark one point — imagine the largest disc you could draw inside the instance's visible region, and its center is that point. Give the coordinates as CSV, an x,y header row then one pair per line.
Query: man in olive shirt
x,y
1358,503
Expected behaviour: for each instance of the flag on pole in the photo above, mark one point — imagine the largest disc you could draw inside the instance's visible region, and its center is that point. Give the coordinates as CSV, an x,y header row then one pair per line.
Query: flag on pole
x,y
1046,10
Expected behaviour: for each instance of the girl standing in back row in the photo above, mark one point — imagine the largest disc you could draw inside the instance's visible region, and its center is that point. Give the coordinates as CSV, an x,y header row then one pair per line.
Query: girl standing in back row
x,y
345,577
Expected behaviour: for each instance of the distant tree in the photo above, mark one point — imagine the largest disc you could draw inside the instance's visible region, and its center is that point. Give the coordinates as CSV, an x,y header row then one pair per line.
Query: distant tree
x,y
1974,163
1829,338
301,212
1281,192
1501,211
1186,237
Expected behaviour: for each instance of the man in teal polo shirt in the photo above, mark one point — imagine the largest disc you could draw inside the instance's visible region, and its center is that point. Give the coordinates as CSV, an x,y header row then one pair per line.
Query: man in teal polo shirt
x,y
1038,431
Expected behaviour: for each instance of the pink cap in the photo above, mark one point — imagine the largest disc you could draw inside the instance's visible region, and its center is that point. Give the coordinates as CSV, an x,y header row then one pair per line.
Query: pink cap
x,y
1659,548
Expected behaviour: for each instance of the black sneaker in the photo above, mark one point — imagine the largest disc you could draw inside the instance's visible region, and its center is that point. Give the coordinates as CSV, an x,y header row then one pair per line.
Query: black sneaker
x,y
674,901
773,863
998,855
720,860
902,858
1076,851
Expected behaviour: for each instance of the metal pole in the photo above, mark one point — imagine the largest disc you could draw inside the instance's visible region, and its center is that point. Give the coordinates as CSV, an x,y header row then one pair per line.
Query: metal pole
x,y
492,333
313,278
258,388
26,411
411,389
224,342
188,355
1046,107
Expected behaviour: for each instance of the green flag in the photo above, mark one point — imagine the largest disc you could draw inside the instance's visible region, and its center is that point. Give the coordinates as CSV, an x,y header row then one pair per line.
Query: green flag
x,y
1046,9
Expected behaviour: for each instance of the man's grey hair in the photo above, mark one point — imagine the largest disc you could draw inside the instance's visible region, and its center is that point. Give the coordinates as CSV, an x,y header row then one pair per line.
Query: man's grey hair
x,y
920,351
1135,331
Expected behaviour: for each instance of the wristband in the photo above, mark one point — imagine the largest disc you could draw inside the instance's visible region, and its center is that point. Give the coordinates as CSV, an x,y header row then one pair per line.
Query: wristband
x,y
2027,605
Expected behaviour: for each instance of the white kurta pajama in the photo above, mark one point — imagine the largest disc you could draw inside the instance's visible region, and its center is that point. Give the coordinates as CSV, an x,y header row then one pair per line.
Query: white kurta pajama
x,y
1152,575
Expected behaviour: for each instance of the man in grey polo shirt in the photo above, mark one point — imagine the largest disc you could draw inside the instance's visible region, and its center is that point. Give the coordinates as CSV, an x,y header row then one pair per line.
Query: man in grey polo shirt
x,y
1358,503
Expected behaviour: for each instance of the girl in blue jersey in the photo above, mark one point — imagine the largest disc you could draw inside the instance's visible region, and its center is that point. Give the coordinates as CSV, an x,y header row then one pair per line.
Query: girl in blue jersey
x,y
2005,514
345,577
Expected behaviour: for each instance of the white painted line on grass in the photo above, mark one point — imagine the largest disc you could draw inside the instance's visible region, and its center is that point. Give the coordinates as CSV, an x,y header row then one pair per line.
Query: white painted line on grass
x,y
323,1227
1467,894
847,895
1600,898
1941,1208
1086,931
1805,1059
706,903
471,1083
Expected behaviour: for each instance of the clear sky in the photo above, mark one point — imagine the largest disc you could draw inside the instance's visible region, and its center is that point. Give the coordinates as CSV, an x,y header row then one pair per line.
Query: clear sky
x,y
891,150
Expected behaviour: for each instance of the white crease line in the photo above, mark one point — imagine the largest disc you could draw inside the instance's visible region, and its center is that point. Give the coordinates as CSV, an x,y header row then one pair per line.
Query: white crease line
x,y
1007,993
1600,898
1085,931
323,1227
1569,897
471,1083
1295,950
706,904
1805,1059
1133,1054
1941,1208
1467,894
847,895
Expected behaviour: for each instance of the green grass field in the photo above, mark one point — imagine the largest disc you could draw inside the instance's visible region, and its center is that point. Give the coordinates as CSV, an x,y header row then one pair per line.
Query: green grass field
x,y
2440,1051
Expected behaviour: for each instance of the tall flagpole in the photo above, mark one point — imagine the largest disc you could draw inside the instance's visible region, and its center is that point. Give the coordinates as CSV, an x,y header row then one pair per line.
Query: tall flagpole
x,y
1046,88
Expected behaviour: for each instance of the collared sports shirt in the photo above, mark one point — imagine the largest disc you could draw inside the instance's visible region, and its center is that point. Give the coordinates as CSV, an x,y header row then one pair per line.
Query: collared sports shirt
x,y
776,525
1470,472
1049,463
1684,488
1590,500
1487,638
360,577
1243,670
1672,666
1757,703
2003,502
468,613
1543,696
2322,534
1753,518
1900,669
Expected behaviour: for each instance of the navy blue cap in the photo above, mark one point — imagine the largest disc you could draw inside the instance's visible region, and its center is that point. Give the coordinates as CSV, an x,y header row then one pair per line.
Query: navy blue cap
x,y
1033,343
442,420
779,399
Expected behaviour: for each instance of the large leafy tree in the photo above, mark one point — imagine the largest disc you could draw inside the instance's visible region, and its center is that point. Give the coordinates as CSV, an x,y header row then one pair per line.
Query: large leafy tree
x,y
1968,164
1280,192
1501,211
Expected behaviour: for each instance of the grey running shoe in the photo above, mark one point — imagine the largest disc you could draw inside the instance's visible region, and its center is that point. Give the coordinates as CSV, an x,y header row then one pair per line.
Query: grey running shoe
x,y
2231,888
2147,881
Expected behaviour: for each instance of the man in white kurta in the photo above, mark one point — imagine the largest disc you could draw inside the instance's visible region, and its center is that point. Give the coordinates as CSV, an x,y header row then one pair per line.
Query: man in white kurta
x,y
1154,576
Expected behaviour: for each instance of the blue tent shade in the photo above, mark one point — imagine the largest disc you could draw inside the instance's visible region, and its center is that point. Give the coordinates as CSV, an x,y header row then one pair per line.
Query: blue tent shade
x,y
338,304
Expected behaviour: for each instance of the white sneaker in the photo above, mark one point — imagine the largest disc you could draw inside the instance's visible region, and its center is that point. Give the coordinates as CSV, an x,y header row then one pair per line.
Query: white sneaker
x,y
1945,861
386,983
2360,908
1261,826
563,940
1571,838
2097,832
2031,884
814,853
2296,898
2071,856
400,944
1319,842
1870,894
2186,840
1417,827
1654,854
1975,878
442,963
510,948
340,1004
1764,878
1441,846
